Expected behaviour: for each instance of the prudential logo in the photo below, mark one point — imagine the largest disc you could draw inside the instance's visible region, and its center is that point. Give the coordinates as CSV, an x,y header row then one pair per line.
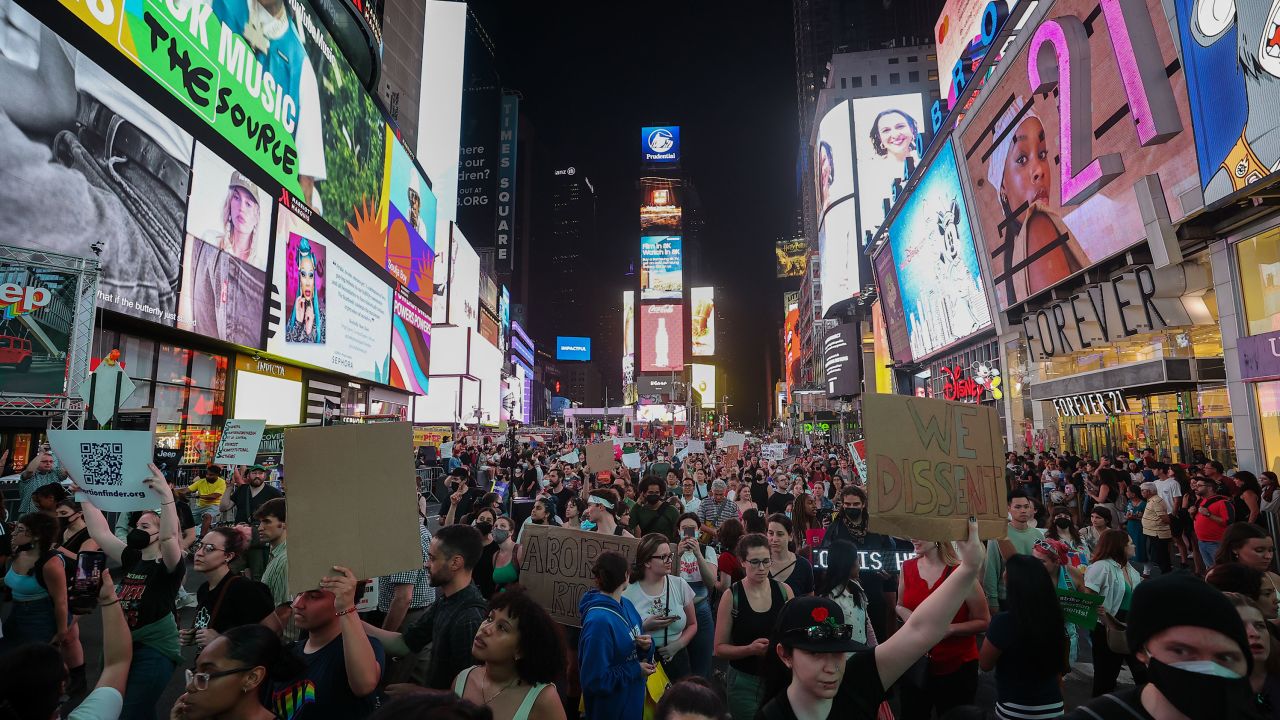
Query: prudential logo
x,y
661,144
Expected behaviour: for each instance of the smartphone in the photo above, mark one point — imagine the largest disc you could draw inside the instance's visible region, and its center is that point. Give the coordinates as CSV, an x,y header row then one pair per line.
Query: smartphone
x,y
689,532
83,593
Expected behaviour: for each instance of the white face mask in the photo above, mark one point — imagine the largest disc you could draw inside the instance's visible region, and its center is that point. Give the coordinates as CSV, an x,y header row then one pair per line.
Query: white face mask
x,y
1206,667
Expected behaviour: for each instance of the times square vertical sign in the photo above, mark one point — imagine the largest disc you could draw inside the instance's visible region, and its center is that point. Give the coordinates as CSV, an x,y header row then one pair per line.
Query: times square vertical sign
x,y
509,124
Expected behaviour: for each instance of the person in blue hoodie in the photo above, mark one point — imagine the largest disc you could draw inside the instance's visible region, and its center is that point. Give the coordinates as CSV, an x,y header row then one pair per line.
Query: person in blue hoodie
x,y
615,659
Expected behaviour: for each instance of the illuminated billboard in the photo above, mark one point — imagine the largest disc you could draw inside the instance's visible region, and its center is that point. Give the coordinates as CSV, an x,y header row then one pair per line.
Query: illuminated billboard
x,y
838,240
1054,197
463,290
886,135
406,243
793,257
891,305
661,337
704,381
573,348
660,413
660,207
661,267
1231,53
964,33
841,351
660,145
702,320
335,313
410,345
791,348
628,340
938,276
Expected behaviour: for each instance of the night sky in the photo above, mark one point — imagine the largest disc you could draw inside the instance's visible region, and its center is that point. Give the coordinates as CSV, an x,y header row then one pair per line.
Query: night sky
x,y
593,73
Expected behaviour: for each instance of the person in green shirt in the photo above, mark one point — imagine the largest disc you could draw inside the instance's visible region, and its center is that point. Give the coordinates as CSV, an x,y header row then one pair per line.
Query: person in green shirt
x,y
653,514
1020,539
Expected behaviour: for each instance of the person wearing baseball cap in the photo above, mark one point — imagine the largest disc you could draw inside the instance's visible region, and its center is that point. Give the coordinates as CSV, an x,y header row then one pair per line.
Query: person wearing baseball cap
x,y
814,668
250,493
1196,651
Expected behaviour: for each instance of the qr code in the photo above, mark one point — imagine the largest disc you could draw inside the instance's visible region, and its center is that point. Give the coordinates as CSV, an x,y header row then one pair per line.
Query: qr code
x,y
103,463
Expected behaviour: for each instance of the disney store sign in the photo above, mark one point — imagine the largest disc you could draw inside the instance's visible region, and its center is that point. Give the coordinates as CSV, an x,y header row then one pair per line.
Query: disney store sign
x,y
959,385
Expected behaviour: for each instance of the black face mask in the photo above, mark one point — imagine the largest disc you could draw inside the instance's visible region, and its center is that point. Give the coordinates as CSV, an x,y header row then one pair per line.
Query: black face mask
x,y
1063,523
652,498
137,539
853,514
1199,695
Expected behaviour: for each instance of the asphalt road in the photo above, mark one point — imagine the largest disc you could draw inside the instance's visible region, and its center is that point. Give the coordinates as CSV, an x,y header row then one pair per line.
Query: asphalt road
x,y
41,378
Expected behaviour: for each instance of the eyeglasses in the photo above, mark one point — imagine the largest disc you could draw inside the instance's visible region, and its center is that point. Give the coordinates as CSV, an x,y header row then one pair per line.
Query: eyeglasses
x,y
662,558
761,563
201,680
1042,545
825,631
209,547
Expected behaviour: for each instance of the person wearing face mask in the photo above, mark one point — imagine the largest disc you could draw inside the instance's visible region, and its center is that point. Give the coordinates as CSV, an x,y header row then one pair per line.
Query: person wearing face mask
x,y
1063,529
881,586
151,573
653,514
1197,655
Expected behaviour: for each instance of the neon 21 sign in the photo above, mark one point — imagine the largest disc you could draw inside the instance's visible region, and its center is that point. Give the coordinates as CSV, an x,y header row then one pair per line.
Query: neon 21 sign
x,y
1059,58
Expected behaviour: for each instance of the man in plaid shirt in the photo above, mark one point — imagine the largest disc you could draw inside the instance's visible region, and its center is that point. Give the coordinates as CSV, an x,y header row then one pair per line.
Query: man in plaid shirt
x,y
718,508
402,598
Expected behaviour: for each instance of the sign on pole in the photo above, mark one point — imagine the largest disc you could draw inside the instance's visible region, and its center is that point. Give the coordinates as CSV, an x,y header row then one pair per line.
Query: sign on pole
x,y
556,568
240,441
931,465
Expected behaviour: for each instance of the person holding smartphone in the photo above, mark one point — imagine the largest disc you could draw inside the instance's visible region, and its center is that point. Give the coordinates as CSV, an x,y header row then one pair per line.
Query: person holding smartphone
x,y
696,564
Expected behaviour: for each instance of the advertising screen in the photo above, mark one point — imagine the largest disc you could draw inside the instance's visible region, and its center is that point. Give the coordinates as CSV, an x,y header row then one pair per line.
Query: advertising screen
x,y
793,257
410,345
887,134
964,33
488,293
661,267
880,346
335,313
704,381
628,337
228,236
702,320
464,281
406,244
660,207
660,145
440,109
279,90
573,348
1232,61
486,364
660,413
654,385
661,337
791,347
37,312
504,315
450,355
838,240
841,351
938,276
488,327
1053,197
891,305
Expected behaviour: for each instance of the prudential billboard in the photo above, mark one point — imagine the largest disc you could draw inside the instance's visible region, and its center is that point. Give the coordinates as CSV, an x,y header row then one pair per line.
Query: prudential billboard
x,y
660,145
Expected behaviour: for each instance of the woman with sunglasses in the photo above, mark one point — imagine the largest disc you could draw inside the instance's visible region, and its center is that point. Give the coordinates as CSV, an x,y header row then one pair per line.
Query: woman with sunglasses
x,y
743,623
233,673
225,600
817,670
665,603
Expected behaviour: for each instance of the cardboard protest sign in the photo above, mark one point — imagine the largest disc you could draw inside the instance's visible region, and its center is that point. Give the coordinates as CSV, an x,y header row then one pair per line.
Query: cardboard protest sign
x,y
631,460
109,466
931,464
858,450
731,456
1079,608
600,456
697,447
572,458
239,443
351,501
556,568
774,451
733,439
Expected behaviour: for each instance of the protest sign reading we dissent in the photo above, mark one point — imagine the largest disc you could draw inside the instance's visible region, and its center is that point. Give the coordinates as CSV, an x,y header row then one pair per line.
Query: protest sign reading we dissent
x,y
933,464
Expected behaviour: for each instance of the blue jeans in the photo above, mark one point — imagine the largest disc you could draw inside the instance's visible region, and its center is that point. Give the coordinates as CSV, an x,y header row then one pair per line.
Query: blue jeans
x,y
1207,551
30,621
148,677
704,641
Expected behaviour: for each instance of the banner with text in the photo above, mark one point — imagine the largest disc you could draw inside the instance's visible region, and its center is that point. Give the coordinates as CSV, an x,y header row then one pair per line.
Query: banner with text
x,y
557,563
109,466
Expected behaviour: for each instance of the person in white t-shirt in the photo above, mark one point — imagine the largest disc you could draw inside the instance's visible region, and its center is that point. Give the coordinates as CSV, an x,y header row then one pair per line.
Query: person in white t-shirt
x,y
665,603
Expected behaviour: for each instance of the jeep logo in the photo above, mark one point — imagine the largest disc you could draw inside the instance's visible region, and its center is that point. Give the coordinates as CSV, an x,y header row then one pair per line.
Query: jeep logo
x,y
18,299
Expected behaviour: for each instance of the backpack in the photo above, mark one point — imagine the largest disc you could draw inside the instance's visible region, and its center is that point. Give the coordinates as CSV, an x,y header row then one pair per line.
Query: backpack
x,y
1231,507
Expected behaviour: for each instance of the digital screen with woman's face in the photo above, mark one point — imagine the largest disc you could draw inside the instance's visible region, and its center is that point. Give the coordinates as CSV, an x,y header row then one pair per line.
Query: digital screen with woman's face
x,y
886,131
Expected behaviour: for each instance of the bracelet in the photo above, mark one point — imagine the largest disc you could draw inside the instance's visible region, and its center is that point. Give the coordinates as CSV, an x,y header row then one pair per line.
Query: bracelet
x,y
171,502
109,604
340,613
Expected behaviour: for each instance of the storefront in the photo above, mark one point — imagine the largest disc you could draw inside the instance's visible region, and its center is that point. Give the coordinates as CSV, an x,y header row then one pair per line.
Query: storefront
x,y
267,390
1133,362
1257,263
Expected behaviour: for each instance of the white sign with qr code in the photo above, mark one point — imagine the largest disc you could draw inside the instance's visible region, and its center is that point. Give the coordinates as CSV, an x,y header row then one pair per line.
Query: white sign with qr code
x,y
109,466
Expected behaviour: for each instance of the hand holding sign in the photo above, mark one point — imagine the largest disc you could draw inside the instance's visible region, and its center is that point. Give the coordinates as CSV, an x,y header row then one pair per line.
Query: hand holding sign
x,y
110,467
239,442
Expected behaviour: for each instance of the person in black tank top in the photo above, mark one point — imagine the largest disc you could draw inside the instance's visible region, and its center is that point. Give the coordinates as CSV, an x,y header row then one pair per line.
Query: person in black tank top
x,y
742,630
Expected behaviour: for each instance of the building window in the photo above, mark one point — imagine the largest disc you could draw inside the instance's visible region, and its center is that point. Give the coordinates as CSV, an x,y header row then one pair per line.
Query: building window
x,y
842,84
913,76
931,58
875,80
933,75
895,78
1259,259
856,81
893,60
913,58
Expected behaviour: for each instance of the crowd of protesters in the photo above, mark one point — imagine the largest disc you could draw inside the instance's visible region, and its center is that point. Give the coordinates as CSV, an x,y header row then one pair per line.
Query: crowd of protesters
x,y
756,589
